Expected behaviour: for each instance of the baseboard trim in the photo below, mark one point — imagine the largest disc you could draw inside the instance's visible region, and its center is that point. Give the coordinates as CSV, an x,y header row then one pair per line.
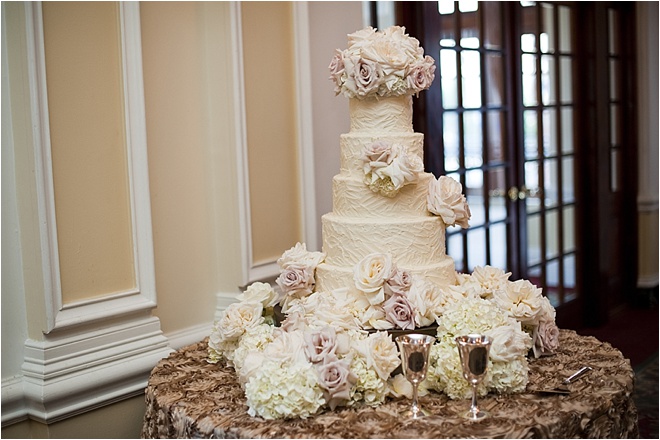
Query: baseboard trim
x,y
71,373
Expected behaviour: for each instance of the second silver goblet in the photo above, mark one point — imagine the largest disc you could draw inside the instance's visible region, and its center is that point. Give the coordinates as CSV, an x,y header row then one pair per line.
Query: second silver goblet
x,y
473,350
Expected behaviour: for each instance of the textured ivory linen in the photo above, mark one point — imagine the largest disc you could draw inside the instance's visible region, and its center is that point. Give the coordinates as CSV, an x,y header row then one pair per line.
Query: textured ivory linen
x,y
187,397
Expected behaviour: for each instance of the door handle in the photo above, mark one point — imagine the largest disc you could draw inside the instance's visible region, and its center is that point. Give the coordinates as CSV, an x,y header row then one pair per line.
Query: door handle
x,y
515,194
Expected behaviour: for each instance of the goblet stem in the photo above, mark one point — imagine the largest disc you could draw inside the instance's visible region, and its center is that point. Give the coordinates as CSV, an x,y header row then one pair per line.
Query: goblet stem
x,y
415,403
474,409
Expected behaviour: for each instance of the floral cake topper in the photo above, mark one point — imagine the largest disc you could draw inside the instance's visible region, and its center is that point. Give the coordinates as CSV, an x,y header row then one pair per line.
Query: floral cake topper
x,y
380,64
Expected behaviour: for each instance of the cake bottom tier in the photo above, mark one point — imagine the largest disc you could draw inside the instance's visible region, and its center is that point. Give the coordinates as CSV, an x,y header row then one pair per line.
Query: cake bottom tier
x,y
330,277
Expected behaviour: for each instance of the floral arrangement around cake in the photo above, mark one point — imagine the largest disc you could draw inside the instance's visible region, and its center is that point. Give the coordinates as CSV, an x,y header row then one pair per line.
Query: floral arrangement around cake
x,y
297,350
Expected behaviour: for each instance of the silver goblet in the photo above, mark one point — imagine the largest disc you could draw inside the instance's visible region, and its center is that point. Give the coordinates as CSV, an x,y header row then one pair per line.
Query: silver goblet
x,y
414,349
473,350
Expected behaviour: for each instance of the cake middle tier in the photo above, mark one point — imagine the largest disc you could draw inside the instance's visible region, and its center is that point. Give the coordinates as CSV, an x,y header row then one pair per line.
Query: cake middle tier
x,y
416,241
351,197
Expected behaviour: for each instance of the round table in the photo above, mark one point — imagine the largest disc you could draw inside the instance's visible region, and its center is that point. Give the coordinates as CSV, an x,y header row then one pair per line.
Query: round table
x,y
187,397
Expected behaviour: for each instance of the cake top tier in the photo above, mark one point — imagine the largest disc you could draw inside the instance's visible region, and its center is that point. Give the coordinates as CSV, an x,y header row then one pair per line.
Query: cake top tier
x,y
381,64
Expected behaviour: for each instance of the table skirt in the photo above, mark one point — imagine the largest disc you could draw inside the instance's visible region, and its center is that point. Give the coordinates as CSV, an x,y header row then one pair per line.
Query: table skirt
x,y
187,397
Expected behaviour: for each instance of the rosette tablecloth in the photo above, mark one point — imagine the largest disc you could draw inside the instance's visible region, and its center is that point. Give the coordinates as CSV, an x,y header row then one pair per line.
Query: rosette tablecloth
x,y
187,397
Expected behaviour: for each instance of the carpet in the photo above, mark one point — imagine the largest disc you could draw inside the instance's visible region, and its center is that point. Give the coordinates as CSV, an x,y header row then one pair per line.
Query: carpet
x,y
645,395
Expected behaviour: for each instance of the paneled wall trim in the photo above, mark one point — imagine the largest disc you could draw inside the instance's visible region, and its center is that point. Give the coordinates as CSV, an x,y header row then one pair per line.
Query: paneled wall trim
x,y
254,270
98,350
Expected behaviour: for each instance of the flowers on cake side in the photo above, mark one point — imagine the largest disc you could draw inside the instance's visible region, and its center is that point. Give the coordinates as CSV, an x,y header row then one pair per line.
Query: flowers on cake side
x,y
332,349
388,167
445,198
380,64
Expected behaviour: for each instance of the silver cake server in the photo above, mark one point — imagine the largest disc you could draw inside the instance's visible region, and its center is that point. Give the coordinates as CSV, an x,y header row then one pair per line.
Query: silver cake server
x,y
563,387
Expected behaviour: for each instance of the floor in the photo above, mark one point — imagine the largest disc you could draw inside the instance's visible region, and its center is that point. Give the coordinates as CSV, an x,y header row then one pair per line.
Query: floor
x,y
634,331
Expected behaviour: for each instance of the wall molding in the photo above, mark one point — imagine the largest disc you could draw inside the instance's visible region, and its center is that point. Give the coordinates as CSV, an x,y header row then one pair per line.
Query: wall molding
x,y
101,350
260,270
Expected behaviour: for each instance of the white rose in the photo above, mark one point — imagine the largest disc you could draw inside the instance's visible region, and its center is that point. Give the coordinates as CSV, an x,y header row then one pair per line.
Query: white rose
x,y
371,273
300,256
509,342
287,347
428,301
238,317
522,299
357,39
381,354
445,199
260,292
490,279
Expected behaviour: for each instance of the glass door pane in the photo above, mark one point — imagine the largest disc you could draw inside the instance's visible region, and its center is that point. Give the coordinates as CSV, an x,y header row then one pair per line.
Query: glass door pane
x,y
547,135
472,119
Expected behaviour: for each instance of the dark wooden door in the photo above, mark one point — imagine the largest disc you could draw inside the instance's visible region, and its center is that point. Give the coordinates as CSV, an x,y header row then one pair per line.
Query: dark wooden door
x,y
528,111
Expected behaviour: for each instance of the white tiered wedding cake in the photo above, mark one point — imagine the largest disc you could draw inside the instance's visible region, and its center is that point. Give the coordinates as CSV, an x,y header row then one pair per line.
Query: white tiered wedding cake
x,y
366,221
323,337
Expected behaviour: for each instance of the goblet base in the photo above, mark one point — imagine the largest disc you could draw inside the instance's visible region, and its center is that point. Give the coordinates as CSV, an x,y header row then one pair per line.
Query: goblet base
x,y
410,414
476,415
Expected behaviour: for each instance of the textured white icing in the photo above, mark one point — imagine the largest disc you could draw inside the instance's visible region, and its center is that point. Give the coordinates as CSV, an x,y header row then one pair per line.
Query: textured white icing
x,y
384,115
351,200
331,277
363,222
417,241
352,147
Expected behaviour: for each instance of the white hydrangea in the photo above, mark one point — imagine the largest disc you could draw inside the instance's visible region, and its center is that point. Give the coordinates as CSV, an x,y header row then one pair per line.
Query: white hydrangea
x,y
507,366
369,389
286,390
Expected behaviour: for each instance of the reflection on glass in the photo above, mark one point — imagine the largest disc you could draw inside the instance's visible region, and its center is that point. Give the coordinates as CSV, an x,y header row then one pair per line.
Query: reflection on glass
x,y
498,245
567,130
548,76
566,83
551,234
548,28
614,169
615,138
494,80
477,246
569,229
492,26
496,136
552,278
468,5
448,78
473,139
446,7
550,182
567,180
569,277
565,40
530,30
614,79
613,31
549,132
455,250
528,42
533,239
471,77
530,134
529,80
467,40
532,181
474,180
450,139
